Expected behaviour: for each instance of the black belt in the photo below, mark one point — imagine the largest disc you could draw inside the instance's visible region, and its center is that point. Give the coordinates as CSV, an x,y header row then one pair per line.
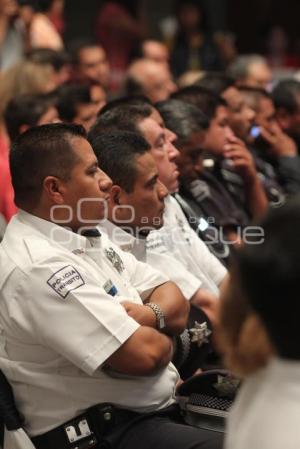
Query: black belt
x,y
87,430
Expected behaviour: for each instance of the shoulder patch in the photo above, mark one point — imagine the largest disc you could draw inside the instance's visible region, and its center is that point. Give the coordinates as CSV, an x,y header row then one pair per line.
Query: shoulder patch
x,y
65,280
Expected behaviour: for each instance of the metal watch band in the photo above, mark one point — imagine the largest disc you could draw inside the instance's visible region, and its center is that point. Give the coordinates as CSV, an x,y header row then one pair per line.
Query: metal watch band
x,y
160,317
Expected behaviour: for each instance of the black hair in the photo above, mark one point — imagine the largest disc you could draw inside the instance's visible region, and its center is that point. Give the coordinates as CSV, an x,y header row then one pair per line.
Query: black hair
x,y
269,274
216,82
204,99
284,95
44,5
124,117
182,118
70,96
40,152
128,100
56,58
24,110
77,45
117,153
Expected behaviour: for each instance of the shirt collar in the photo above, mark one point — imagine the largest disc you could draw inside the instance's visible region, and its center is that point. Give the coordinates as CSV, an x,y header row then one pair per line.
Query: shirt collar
x,y
61,235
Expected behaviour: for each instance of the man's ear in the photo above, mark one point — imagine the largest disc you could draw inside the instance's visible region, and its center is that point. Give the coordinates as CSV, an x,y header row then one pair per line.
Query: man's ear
x,y
116,195
54,189
283,118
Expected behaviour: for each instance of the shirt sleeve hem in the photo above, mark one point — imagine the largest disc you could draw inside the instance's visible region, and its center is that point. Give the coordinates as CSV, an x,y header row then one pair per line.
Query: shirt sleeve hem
x,y
94,360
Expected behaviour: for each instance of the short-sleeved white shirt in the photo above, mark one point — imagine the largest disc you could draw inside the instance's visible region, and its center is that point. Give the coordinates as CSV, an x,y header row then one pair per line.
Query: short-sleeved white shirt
x,y
164,262
176,237
61,318
265,414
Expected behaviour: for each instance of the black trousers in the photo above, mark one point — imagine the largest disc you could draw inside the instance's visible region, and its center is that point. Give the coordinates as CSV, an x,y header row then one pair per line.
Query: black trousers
x,y
165,430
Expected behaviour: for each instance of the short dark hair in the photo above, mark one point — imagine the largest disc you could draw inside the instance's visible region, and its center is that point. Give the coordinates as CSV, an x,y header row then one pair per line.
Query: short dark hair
x,y
77,45
204,99
269,274
70,96
44,5
56,58
40,152
216,82
24,110
128,100
124,117
117,152
284,95
182,118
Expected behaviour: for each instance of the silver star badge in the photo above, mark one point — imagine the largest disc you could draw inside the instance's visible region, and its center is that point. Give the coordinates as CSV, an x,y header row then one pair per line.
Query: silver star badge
x,y
226,385
114,259
200,333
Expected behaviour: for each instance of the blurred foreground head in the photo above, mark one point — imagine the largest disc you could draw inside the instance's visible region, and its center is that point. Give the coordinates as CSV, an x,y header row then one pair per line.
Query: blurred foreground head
x,y
260,306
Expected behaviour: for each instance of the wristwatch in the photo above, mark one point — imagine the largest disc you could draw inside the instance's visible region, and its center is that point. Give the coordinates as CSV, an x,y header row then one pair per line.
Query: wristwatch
x,y
160,317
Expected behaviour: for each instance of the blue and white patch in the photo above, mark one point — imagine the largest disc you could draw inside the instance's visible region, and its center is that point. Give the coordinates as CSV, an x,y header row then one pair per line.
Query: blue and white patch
x,y
65,280
110,288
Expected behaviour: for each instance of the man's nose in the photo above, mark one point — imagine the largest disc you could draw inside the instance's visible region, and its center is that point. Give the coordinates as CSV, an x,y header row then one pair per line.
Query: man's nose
x,y
162,190
173,152
105,183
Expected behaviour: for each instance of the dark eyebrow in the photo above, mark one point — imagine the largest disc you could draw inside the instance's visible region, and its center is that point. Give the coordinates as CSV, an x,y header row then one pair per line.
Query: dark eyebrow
x,y
151,181
93,165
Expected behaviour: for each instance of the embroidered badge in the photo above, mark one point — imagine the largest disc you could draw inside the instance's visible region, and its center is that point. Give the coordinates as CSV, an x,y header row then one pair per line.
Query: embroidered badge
x,y
65,280
114,259
110,288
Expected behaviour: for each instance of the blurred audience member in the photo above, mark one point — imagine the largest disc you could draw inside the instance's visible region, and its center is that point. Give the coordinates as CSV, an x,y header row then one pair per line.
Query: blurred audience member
x,y
270,143
11,37
278,51
58,59
251,70
75,105
36,16
149,78
231,162
25,78
189,78
266,411
155,51
193,48
90,63
286,97
25,111
7,205
98,95
118,31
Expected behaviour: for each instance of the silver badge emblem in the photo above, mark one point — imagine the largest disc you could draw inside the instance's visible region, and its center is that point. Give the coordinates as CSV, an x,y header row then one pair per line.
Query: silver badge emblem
x,y
226,385
114,259
200,333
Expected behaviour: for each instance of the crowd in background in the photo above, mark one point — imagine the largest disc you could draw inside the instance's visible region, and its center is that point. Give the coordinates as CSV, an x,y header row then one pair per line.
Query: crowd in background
x,y
234,124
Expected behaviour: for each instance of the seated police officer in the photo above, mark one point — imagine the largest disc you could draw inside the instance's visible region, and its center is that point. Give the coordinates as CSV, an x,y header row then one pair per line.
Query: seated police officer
x,y
84,367
136,209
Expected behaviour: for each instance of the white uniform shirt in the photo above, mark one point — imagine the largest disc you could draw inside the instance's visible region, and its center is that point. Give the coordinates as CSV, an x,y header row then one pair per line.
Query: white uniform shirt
x,y
164,262
61,318
266,414
177,238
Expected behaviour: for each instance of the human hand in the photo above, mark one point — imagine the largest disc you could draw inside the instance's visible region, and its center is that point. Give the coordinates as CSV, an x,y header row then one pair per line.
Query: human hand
x,y
140,313
280,143
241,159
